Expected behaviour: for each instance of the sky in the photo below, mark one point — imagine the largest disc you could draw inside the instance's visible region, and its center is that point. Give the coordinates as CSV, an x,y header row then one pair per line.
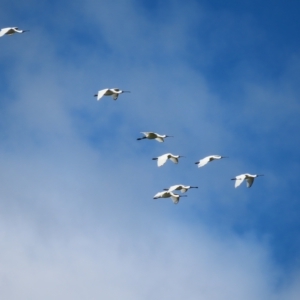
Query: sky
x,y
77,215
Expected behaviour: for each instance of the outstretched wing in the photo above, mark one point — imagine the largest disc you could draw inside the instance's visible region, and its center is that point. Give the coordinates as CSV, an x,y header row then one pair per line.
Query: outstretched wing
x,y
203,161
174,160
161,160
250,181
159,195
101,93
159,139
173,188
4,31
239,180
175,199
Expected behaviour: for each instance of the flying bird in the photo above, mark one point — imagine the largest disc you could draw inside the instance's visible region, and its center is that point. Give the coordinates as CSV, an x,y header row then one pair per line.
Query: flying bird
x,y
175,198
248,177
180,187
161,160
110,92
11,30
202,162
154,136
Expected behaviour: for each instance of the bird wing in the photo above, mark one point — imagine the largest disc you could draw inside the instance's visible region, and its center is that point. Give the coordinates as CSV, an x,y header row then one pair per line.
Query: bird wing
x,y
175,199
161,160
239,180
174,160
4,31
203,161
250,181
173,188
159,194
183,190
101,93
145,133
115,96
159,139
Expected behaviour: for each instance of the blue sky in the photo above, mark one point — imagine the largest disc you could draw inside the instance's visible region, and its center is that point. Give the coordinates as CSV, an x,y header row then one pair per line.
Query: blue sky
x,y
77,218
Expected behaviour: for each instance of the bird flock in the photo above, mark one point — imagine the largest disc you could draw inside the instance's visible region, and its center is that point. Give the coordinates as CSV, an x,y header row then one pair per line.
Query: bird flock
x,y
162,159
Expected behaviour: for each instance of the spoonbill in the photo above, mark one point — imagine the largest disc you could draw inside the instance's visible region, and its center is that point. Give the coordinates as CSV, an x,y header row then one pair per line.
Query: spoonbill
x,y
249,178
110,92
11,30
175,197
154,136
161,160
180,187
202,162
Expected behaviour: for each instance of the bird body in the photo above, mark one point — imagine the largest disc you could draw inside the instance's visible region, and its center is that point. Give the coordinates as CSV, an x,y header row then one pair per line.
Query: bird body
x,y
248,177
180,187
161,160
202,162
175,198
110,92
154,136
11,30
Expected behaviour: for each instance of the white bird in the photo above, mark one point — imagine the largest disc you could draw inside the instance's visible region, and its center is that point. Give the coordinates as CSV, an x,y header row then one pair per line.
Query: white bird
x,y
110,92
202,162
180,187
175,198
161,160
249,178
154,136
11,30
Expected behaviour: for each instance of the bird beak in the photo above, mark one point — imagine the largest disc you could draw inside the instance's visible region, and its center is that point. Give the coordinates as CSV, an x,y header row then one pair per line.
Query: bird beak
x,y
169,136
125,91
260,175
181,156
166,189
155,158
233,178
197,162
95,95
